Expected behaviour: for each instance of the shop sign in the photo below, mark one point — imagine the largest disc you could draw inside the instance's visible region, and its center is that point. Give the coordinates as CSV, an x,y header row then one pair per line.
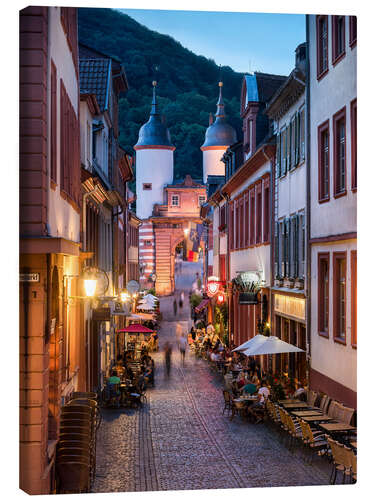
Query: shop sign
x,y
101,314
30,277
292,306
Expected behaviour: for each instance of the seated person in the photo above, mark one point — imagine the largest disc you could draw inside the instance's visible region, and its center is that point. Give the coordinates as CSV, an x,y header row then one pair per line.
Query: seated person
x,y
249,388
113,384
264,392
119,366
300,392
254,379
240,380
148,375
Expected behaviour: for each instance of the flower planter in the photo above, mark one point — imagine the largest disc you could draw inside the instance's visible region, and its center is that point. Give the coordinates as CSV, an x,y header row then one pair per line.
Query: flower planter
x,y
289,283
278,282
299,284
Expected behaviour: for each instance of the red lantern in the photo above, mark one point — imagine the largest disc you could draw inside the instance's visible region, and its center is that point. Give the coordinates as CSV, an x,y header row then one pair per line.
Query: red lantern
x,y
220,298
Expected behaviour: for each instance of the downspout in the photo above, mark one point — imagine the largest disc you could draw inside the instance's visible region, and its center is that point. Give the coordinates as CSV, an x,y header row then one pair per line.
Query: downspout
x,y
230,332
271,232
308,205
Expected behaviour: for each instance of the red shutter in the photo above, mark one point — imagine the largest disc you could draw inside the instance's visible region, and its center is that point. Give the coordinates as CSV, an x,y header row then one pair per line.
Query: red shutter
x,y
53,121
246,220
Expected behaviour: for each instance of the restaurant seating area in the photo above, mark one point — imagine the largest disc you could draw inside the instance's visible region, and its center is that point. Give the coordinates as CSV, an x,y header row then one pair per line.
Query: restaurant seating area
x,y
304,420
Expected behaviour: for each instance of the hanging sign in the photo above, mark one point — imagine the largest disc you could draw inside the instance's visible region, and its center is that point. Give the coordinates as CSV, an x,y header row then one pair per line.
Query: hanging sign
x,y
30,277
213,286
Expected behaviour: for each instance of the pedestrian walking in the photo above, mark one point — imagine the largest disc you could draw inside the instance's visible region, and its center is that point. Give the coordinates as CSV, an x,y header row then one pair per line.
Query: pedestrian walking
x,y
181,302
175,307
167,357
183,345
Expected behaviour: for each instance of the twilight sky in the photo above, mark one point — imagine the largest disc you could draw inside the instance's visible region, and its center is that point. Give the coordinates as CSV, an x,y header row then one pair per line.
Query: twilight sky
x,y
237,39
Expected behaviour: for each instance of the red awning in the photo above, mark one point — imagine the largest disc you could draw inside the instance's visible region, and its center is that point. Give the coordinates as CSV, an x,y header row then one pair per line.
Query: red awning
x,y
135,329
202,305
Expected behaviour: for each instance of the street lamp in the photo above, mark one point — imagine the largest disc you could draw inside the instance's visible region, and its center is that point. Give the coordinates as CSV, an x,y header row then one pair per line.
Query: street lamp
x,y
124,296
186,232
89,281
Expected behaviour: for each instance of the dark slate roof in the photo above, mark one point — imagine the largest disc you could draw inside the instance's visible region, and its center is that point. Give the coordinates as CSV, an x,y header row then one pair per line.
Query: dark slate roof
x,y
188,182
268,85
220,133
94,78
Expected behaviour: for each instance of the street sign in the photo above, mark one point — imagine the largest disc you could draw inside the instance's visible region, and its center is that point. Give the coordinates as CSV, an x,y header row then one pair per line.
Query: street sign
x,y
30,277
132,286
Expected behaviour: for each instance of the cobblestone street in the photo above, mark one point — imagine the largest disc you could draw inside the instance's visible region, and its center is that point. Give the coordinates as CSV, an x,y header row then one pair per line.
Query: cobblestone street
x,y
180,440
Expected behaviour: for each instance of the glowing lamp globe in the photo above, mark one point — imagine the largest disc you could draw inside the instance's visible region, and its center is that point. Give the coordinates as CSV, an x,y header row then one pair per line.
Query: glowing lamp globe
x,y
220,298
90,287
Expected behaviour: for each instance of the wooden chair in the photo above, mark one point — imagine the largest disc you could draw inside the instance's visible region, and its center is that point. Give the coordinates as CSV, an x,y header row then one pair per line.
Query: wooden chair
x,y
227,401
311,397
353,458
341,460
314,440
238,408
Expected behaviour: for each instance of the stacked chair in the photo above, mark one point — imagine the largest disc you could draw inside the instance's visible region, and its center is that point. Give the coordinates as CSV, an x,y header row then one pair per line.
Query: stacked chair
x,y
76,448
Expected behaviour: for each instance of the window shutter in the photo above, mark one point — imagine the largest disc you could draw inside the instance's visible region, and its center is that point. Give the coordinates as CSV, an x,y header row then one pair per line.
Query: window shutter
x,y
281,249
288,247
293,147
296,247
291,246
302,120
298,133
277,253
301,245
289,142
278,155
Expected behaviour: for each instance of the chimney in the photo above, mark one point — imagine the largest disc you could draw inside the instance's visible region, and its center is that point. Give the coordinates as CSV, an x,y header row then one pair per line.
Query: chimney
x,y
301,57
210,119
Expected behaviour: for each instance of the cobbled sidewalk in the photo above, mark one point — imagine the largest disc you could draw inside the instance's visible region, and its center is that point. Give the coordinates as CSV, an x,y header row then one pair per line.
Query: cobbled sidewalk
x,y
180,440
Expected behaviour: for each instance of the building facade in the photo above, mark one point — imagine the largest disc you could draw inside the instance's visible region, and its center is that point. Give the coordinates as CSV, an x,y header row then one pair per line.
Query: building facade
x,y
287,109
51,347
332,44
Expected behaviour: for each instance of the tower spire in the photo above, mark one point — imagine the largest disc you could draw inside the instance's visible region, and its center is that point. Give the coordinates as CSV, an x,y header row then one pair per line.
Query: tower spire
x,y
220,112
154,106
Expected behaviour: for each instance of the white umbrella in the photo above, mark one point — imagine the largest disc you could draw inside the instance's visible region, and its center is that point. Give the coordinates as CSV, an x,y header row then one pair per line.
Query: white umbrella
x,y
146,307
272,345
257,340
150,297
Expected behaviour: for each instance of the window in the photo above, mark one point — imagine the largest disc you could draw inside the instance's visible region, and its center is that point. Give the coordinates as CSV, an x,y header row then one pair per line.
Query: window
x,y
323,161
322,45
277,268
222,265
147,186
237,245
288,146
339,152
222,217
231,228
201,200
247,220
266,212
338,38
175,200
69,148
353,264
252,217
339,296
259,213
285,248
352,31
53,121
241,222
353,127
323,294
293,162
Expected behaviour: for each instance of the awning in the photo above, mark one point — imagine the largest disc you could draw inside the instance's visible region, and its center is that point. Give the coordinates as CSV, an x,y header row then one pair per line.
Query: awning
x,y
202,305
135,329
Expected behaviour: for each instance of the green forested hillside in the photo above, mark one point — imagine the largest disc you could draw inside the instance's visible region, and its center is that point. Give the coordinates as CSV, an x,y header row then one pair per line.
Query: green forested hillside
x,y
187,83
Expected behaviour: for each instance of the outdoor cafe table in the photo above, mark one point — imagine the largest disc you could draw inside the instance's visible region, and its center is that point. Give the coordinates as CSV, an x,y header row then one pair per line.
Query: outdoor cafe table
x,y
290,406
337,427
285,401
316,418
306,413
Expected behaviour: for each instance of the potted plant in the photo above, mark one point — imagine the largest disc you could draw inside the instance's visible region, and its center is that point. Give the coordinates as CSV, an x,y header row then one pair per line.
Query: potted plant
x,y
279,280
289,282
299,283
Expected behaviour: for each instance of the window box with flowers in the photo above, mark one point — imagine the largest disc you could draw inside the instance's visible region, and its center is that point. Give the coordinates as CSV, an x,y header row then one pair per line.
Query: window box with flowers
x,y
289,282
299,283
279,280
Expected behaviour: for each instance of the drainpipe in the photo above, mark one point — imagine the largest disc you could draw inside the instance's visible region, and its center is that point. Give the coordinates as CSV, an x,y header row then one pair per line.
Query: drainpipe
x,y
271,230
227,197
308,204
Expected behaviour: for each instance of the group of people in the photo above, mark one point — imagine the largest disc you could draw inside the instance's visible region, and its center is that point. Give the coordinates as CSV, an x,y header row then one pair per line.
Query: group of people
x,y
123,373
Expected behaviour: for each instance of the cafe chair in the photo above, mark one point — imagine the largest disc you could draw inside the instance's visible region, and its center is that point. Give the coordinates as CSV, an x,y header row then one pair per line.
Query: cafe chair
x,y
313,440
341,461
228,401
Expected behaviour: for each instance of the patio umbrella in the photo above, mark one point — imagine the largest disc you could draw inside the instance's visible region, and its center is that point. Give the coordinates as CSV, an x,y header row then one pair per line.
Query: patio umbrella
x,y
272,345
136,328
257,340
146,307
